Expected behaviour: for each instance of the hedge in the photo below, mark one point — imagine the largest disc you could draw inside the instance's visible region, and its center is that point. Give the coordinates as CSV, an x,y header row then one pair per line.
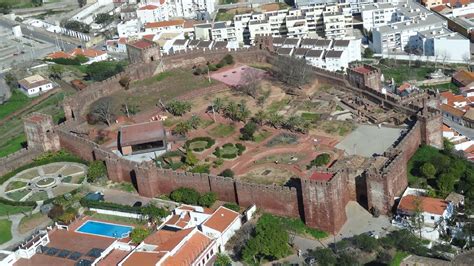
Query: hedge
x,y
72,192
210,143
240,148
61,156
18,203
110,206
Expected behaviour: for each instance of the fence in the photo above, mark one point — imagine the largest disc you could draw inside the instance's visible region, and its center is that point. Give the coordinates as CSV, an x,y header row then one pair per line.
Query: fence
x,y
121,214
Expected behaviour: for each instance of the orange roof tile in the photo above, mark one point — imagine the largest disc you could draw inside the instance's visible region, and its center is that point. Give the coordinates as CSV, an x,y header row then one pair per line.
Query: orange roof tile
x,y
113,258
143,258
149,37
452,98
221,219
190,251
159,237
86,52
172,240
148,7
438,8
59,54
167,23
142,43
176,220
426,204
452,110
464,77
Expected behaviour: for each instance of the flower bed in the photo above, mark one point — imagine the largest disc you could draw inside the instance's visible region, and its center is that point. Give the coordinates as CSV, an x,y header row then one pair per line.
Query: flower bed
x,y
229,151
199,144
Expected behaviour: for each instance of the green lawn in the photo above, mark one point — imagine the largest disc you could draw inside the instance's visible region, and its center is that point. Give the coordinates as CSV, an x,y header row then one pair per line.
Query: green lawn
x,y
118,219
404,73
18,195
198,145
12,145
5,231
261,135
221,131
445,87
10,209
310,116
228,150
38,196
295,225
17,101
15,185
222,15
125,186
277,105
397,259
154,79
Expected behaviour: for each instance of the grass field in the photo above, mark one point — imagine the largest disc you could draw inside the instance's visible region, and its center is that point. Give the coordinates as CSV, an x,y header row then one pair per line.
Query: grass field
x,y
221,131
296,225
404,73
17,101
5,231
117,219
445,87
13,145
10,209
261,135
18,195
397,259
30,222
15,185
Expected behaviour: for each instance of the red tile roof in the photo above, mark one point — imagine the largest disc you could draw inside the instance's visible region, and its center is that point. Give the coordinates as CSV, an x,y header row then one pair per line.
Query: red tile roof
x,y
361,70
142,44
452,110
426,204
59,54
190,251
438,8
143,258
148,7
87,52
221,219
318,176
141,133
167,23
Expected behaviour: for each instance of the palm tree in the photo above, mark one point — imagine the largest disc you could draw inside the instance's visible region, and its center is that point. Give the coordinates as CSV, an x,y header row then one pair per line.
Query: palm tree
x,y
243,112
182,128
194,121
259,117
217,104
275,120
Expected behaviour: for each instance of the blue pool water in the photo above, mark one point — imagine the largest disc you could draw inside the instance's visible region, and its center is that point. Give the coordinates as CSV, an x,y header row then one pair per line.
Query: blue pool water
x,y
105,229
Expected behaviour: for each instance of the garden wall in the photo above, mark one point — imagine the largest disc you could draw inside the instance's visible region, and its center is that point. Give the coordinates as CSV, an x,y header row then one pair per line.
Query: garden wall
x,y
17,159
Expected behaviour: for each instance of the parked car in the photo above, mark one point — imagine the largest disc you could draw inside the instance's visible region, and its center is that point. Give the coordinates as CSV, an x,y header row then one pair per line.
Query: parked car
x,y
310,260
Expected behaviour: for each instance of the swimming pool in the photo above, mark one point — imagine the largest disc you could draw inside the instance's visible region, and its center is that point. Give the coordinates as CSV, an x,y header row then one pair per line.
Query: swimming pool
x,y
105,229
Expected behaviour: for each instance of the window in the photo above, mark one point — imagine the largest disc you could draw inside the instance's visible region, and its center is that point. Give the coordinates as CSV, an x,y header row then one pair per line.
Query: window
x,y
212,252
432,217
207,256
203,261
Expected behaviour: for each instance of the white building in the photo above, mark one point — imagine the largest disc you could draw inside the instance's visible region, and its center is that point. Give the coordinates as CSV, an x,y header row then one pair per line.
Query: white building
x,y
175,25
92,54
192,8
432,210
153,12
129,28
117,45
35,85
222,225
378,14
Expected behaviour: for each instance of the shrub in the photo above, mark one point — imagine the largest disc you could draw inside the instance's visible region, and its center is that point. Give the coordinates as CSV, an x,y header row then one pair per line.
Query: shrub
x,y
185,195
219,65
228,156
217,152
56,212
320,160
227,173
18,203
197,71
201,169
208,199
68,216
240,148
228,59
232,206
212,67
248,131
96,170
139,234
178,108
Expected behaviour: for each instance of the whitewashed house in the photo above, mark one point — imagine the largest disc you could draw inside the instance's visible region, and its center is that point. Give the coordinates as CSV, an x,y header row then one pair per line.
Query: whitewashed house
x,y
34,85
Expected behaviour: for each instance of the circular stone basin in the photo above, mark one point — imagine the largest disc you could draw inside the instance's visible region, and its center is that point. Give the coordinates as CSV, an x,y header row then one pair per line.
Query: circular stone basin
x,y
45,182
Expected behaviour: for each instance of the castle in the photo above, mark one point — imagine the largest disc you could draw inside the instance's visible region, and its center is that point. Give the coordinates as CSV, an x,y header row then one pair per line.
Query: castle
x,y
319,203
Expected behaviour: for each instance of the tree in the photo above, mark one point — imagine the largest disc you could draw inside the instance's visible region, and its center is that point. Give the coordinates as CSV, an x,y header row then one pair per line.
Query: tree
x,y
290,70
237,112
232,206
82,2
103,18
324,256
56,71
448,146
191,158
227,173
222,260
96,170
320,160
103,70
270,241
5,8
365,242
182,128
194,121
154,213
129,109
446,183
417,217
248,130
185,195
217,105
178,108
275,120
77,26
250,83
102,110
296,123
208,199
125,82
428,170
368,53
139,234
259,117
